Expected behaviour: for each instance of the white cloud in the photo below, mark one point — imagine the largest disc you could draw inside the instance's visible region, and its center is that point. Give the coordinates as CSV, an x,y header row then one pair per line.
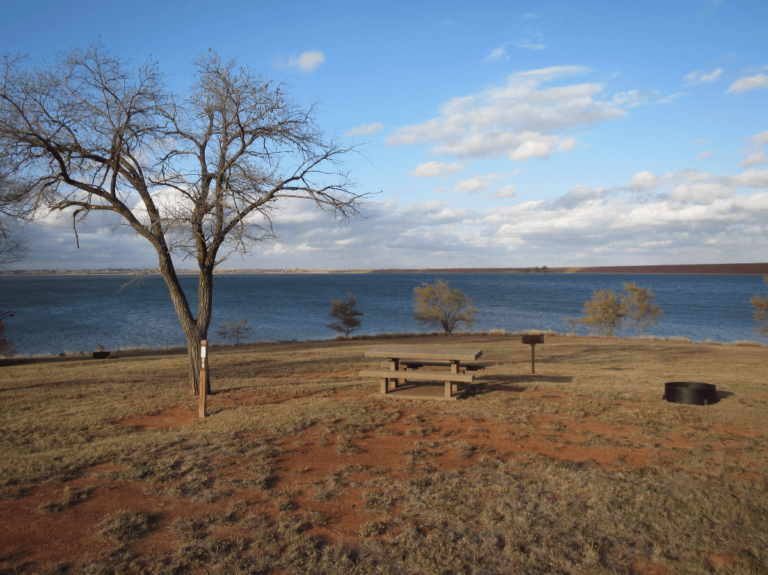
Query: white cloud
x,y
499,53
505,192
435,169
518,120
306,61
749,83
577,196
479,182
633,98
537,146
699,77
755,159
705,154
472,185
365,129
750,179
529,44
759,139
644,181
699,193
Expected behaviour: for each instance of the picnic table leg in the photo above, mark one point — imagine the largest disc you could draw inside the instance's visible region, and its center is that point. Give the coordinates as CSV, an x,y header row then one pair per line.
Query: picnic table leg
x,y
394,365
451,387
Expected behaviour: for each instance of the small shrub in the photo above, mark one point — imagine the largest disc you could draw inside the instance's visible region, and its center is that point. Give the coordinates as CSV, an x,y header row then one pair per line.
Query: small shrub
x,y
345,448
71,497
286,506
124,526
234,330
747,343
344,311
372,528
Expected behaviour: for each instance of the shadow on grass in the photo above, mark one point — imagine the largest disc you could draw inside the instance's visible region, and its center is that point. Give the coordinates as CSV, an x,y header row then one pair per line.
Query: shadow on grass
x,y
512,383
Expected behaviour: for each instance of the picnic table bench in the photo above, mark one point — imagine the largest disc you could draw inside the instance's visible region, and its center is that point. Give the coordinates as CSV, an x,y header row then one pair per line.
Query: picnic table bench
x,y
405,363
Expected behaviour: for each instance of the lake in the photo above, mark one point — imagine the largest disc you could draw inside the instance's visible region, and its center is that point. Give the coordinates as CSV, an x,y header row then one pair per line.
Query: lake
x,y
75,313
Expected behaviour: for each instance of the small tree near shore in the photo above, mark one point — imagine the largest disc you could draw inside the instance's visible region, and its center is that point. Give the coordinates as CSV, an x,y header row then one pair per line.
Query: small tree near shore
x,y
604,312
640,309
437,304
234,330
761,311
346,314
6,348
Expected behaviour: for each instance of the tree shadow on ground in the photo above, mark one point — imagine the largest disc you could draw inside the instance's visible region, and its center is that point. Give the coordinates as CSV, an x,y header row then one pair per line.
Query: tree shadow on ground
x,y
512,383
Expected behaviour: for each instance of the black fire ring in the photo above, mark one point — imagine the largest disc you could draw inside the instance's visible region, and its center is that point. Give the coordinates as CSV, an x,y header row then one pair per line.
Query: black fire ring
x,y
690,393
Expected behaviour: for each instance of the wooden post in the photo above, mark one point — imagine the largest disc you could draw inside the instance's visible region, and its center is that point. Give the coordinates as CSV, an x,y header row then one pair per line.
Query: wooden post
x,y
203,379
533,358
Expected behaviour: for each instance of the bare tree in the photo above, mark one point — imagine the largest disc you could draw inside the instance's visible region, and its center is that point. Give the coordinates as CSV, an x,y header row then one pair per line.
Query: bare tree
x,y
197,175
640,309
438,304
234,330
6,347
345,312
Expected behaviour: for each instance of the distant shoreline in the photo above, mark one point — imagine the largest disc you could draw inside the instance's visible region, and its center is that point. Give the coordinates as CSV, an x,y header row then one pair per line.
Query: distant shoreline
x,y
688,269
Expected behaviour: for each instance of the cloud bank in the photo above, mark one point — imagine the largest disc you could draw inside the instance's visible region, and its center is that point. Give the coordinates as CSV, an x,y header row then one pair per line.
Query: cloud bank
x,y
520,120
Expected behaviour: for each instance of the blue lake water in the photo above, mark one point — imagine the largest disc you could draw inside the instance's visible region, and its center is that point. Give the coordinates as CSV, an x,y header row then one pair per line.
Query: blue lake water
x,y
75,313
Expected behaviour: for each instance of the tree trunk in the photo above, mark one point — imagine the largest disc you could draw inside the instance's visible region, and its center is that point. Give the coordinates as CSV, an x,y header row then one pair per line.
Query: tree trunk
x,y
204,309
193,352
195,330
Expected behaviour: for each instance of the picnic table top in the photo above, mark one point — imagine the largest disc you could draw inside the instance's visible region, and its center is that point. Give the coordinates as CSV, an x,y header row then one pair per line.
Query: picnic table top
x,y
424,353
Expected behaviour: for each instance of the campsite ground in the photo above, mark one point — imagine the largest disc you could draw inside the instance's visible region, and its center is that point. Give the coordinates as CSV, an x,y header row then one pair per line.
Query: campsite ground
x,y
303,467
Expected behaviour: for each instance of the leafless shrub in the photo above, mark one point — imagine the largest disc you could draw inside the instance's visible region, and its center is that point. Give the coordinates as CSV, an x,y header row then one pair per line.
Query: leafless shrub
x,y
234,330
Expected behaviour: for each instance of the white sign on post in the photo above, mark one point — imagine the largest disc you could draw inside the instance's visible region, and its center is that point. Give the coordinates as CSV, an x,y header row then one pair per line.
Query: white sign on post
x,y
203,408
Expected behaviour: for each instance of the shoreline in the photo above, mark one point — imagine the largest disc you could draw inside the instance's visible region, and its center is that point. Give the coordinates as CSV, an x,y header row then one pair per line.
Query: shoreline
x,y
181,349
682,269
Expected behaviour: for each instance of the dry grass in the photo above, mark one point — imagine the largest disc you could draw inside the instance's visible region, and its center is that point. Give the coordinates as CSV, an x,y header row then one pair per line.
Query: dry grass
x,y
581,468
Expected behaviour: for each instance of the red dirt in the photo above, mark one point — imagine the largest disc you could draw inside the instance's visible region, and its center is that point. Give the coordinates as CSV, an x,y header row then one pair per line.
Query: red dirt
x,y
643,567
717,560
307,459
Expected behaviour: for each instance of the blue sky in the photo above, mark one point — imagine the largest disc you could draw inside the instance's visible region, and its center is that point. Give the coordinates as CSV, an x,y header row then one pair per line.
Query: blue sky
x,y
498,134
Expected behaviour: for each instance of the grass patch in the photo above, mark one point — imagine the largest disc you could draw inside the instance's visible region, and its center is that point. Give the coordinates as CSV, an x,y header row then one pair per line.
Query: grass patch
x,y
124,527
639,481
71,497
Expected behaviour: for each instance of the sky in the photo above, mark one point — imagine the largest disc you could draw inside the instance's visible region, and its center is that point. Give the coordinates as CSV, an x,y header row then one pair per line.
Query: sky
x,y
491,134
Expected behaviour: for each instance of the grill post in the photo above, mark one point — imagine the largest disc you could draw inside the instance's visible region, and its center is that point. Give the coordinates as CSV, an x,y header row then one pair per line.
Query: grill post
x,y
532,340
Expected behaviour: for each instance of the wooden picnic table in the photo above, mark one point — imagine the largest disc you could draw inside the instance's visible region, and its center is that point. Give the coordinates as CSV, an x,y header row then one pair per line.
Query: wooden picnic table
x,y
406,363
